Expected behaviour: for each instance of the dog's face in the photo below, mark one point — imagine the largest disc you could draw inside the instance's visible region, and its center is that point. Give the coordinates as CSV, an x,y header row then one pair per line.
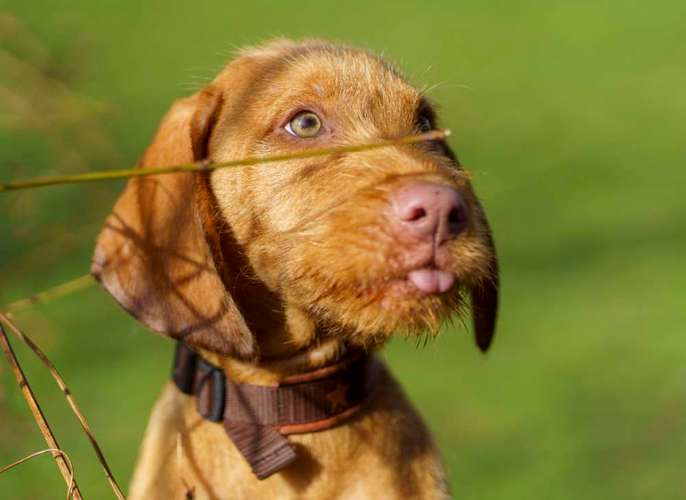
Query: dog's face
x,y
362,244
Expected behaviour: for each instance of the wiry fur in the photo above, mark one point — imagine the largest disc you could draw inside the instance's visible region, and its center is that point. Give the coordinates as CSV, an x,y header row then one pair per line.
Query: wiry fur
x,y
284,267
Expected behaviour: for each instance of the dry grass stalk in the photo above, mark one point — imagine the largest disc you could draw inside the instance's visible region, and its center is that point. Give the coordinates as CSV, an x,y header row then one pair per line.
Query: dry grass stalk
x,y
62,464
70,489
55,292
434,135
70,399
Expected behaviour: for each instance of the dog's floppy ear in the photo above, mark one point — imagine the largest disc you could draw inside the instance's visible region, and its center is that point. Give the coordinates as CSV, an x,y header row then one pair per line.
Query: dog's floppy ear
x,y
485,301
484,294
152,255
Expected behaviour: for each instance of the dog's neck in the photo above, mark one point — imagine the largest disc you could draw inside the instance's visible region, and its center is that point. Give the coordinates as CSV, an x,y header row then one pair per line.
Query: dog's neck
x,y
289,340
270,370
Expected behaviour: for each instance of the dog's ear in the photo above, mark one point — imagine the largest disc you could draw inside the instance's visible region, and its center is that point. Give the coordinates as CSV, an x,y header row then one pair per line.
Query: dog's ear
x,y
152,255
484,294
485,301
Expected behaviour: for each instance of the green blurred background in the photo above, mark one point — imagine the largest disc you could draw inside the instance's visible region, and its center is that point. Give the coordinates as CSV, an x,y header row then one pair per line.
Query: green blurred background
x,y
572,116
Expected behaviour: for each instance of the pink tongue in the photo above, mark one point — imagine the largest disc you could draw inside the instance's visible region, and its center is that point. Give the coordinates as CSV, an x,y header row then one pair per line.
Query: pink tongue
x,y
431,280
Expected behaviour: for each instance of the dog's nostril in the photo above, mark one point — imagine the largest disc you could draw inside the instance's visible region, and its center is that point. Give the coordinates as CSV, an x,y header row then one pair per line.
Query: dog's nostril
x,y
456,216
416,214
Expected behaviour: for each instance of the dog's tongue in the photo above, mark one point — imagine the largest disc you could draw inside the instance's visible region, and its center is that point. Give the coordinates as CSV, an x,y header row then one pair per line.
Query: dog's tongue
x,y
431,280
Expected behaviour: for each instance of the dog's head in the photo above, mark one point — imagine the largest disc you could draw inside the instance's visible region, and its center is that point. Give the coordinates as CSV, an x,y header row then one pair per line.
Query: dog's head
x,y
358,245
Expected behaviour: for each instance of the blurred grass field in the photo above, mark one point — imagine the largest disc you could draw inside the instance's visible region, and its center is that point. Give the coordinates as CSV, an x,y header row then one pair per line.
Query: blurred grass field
x,y
572,116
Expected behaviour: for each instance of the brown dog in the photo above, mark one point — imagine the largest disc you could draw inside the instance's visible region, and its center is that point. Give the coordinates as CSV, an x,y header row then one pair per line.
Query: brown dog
x,y
297,267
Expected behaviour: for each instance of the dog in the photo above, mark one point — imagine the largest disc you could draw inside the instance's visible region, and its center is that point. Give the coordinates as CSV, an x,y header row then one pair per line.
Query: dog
x,y
280,280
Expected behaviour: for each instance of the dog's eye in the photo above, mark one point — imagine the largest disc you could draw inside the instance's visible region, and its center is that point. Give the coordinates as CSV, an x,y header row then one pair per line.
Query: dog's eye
x,y
424,123
305,125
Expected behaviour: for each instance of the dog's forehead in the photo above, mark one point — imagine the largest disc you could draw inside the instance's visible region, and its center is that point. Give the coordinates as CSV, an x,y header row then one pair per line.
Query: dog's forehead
x,y
324,72
348,73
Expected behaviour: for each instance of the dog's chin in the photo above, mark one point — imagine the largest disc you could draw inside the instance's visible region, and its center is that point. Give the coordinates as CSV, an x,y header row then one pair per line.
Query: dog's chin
x,y
413,305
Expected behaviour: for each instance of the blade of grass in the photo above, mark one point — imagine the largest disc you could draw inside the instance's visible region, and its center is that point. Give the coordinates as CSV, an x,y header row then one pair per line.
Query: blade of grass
x,y
55,292
42,452
70,399
62,464
434,135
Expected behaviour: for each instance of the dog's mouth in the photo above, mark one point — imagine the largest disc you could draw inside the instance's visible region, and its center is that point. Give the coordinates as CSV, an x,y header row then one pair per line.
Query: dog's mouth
x,y
421,281
410,292
431,280
417,284
424,271
426,281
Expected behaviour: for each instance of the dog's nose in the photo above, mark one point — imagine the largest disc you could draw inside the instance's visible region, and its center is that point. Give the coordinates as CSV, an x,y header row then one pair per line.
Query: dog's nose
x,y
429,211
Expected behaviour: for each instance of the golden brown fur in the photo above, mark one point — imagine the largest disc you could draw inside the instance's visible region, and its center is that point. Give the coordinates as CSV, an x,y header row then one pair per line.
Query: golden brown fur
x,y
281,268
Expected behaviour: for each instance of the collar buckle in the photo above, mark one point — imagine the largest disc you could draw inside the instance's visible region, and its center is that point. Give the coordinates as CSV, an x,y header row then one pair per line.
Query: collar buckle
x,y
211,391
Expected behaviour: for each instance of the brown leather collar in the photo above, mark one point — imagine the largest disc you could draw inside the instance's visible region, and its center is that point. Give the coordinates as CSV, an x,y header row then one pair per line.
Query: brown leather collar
x,y
257,418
